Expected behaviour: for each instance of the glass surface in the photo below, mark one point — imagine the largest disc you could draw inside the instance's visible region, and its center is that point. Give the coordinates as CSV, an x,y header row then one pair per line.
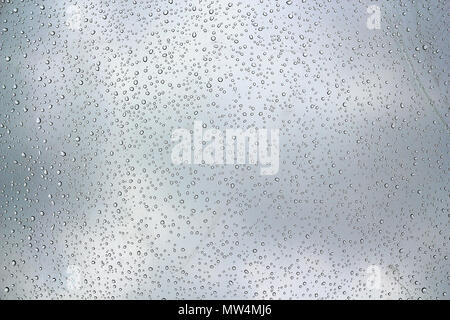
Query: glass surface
x,y
94,205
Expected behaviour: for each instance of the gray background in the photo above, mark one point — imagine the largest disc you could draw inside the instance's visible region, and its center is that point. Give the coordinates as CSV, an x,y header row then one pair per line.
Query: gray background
x,y
91,206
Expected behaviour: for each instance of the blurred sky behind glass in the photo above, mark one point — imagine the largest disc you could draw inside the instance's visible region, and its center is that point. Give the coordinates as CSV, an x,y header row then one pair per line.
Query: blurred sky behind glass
x,y
91,205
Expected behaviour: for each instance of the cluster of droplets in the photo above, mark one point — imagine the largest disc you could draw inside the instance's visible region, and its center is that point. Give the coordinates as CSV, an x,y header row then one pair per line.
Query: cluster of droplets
x,y
91,205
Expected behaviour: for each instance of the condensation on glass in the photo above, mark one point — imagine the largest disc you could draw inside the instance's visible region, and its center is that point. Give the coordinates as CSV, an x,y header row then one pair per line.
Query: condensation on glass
x,y
93,207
